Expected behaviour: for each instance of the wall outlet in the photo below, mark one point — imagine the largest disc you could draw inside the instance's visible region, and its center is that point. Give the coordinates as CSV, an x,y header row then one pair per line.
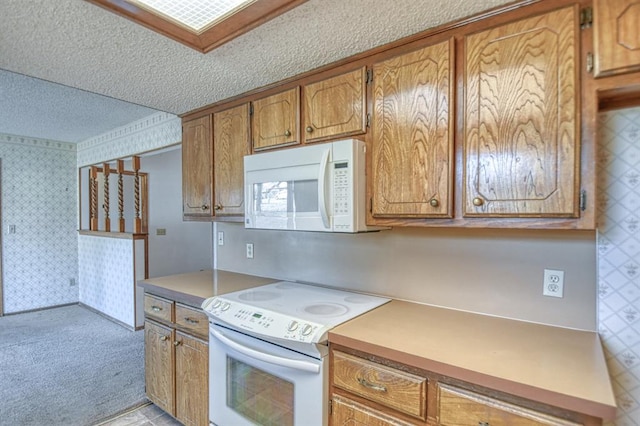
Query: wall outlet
x,y
220,238
11,229
72,282
553,283
161,231
249,250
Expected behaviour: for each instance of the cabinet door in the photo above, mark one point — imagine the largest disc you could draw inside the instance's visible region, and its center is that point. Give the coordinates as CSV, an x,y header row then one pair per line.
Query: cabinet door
x,y
521,144
335,107
616,36
159,364
192,380
345,412
459,407
230,145
197,185
275,120
413,134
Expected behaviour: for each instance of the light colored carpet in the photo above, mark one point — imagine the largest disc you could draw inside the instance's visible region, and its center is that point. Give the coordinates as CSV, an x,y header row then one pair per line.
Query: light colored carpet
x,y
67,366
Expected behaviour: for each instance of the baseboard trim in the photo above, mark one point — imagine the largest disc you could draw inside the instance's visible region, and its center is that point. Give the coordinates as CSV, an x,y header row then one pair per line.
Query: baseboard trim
x,y
110,318
6,314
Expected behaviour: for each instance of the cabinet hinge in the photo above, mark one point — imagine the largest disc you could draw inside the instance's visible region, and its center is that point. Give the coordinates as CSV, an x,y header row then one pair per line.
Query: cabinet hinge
x,y
586,18
330,407
250,109
368,119
369,76
589,62
371,205
583,200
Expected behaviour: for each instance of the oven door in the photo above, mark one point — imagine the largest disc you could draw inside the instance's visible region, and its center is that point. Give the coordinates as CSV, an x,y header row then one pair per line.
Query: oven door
x,y
253,382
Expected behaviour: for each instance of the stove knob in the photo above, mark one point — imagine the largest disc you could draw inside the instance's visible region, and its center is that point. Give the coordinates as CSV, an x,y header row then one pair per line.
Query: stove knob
x,y
226,306
307,329
293,325
216,304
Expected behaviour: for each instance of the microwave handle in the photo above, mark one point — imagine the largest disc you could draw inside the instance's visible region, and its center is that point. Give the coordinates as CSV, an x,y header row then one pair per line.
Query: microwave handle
x,y
261,356
322,187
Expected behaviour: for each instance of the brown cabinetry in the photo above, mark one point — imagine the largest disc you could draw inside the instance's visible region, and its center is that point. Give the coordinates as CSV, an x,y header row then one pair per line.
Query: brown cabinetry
x,y
368,389
197,161
177,359
335,107
616,36
461,407
275,120
521,137
231,143
412,138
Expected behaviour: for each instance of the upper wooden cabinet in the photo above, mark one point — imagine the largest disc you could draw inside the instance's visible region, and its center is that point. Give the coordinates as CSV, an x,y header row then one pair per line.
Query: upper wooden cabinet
x,y
616,36
522,141
197,184
335,107
412,138
275,120
231,143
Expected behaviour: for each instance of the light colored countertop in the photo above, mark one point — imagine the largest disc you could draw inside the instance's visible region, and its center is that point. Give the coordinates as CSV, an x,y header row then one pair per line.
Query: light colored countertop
x,y
557,366
193,288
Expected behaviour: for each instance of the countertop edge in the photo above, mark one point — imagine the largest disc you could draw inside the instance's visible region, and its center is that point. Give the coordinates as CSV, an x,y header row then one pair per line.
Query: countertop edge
x,y
522,390
181,297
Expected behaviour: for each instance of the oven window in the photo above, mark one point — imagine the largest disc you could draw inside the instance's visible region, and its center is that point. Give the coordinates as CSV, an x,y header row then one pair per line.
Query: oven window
x,y
259,396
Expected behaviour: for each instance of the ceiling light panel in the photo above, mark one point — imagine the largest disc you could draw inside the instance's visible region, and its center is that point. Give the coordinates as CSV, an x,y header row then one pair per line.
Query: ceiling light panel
x,y
197,15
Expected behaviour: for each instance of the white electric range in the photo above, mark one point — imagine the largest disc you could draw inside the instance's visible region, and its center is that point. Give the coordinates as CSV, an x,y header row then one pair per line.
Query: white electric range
x,y
268,352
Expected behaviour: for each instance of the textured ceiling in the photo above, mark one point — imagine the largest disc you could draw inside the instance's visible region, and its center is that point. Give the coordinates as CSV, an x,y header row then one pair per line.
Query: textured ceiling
x,y
77,44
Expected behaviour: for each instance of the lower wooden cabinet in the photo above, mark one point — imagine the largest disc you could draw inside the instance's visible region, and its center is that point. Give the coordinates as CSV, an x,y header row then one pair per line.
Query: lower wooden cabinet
x,y
177,362
346,412
369,390
461,407
159,359
192,380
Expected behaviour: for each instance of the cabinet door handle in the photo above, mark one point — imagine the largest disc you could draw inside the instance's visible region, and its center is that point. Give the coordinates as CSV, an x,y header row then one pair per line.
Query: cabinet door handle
x,y
164,338
177,343
309,129
478,201
218,207
191,320
155,308
287,133
372,386
434,202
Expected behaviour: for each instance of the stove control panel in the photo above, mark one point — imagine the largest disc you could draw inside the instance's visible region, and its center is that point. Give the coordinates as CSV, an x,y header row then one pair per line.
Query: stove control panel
x,y
262,321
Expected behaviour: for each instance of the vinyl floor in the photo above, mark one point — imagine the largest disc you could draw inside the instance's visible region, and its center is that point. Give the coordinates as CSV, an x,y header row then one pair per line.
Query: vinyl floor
x,y
147,415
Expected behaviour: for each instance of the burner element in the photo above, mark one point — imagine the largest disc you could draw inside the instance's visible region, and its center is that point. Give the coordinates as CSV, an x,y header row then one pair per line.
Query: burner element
x,y
258,296
326,309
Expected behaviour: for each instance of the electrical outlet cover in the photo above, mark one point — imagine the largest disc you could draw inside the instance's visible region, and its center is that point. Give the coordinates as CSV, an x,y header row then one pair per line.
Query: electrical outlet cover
x,y
553,283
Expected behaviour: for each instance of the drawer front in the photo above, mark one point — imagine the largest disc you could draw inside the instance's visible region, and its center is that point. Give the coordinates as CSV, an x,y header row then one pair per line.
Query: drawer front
x,y
192,320
345,412
159,308
460,407
394,388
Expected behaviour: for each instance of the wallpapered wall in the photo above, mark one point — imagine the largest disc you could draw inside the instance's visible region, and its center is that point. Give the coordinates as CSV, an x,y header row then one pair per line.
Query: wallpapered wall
x,y
619,256
39,197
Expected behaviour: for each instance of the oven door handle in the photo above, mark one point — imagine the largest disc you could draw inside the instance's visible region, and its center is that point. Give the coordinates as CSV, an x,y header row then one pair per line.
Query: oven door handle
x,y
296,364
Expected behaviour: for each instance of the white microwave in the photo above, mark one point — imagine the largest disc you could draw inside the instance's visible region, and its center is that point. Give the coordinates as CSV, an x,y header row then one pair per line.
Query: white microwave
x,y
311,188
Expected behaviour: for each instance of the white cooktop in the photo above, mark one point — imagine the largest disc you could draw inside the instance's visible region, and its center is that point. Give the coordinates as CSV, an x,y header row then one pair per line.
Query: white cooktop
x,y
289,311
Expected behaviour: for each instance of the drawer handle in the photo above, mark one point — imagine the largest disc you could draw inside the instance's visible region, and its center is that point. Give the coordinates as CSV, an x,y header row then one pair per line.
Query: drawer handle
x,y
156,308
191,321
372,386
483,423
